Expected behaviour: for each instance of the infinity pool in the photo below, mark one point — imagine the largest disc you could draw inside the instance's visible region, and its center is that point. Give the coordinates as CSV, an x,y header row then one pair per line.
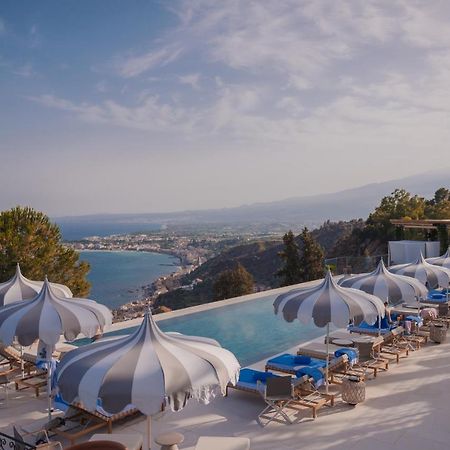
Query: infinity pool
x,y
249,329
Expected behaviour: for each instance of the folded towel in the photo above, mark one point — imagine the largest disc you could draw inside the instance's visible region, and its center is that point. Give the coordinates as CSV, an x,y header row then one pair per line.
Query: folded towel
x,y
350,352
313,372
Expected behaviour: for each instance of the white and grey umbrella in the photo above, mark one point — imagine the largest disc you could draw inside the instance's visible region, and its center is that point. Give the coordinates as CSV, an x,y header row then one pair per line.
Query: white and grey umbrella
x,y
390,287
328,303
443,261
148,369
20,288
46,317
430,275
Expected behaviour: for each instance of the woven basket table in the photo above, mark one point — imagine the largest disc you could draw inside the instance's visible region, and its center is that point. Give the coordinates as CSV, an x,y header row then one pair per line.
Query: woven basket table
x,y
353,390
438,332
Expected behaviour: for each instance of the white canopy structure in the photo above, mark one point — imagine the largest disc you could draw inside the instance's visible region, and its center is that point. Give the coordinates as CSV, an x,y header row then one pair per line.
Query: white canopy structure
x,y
388,286
443,261
21,288
328,304
46,317
149,369
430,275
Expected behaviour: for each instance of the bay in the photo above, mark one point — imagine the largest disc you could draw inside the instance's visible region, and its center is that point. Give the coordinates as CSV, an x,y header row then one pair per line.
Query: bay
x,y
118,277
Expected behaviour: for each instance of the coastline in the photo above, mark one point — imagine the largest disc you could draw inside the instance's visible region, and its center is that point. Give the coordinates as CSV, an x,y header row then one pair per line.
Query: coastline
x,y
146,294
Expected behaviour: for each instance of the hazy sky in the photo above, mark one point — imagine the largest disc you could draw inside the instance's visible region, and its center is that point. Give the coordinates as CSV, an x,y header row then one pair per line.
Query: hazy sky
x,y
142,106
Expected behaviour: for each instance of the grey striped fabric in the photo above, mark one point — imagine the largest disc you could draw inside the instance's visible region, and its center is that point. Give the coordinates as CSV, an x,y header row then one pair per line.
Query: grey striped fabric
x,y
443,261
148,369
21,288
430,275
329,303
388,286
47,316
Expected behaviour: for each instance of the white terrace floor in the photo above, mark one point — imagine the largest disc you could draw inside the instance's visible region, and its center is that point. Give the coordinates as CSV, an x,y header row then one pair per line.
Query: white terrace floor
x,y
407,407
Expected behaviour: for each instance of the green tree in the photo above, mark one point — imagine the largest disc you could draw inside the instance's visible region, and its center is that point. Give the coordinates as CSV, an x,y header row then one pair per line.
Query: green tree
x,y
29,238
233,283
399,205
312,259
439,206
291,272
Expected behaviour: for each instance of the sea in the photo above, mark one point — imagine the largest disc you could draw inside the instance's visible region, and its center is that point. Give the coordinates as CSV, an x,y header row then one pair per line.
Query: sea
x,y
118,277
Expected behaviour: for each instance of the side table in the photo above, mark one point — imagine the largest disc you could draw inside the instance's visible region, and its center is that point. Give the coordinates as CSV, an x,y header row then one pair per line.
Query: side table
x,y
353,390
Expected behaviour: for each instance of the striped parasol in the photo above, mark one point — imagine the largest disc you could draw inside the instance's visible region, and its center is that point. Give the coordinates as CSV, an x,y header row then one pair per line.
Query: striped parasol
x,y
443,261
388,286
430,275
48,316
328,304
148,369
20,288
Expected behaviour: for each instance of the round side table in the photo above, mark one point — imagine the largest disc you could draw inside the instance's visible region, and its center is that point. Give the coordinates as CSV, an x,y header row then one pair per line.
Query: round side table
x,y
353,390
343,342
169,441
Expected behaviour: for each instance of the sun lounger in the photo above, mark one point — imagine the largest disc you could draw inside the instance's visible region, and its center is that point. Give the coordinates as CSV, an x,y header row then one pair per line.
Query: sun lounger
x,y
36,381
395,344
78,422
254,382
364,328
288,363
15,359
222,443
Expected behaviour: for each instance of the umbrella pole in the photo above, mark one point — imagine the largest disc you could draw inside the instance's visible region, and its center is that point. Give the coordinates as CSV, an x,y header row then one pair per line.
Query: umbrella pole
x,y
22,367
49,385
149,431
328,357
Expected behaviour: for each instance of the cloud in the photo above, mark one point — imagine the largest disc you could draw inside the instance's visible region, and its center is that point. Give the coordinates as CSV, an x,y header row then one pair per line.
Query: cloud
x,y
291,72
148,114
136,65
25,71
192,80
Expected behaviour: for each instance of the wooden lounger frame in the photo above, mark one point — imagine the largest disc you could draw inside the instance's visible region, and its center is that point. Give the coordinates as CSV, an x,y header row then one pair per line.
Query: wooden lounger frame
x,y
89,421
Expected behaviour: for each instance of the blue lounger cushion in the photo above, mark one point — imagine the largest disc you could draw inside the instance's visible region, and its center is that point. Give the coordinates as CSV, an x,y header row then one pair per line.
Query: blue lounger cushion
x,y
364,327
351,353
314,372
292,362
253,376
416,319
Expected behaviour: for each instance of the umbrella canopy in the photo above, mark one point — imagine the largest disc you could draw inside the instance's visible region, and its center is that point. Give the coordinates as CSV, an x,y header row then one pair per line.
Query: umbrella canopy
x,y
430,275
329,303
387,286
48,316
148,369
20,288
443,261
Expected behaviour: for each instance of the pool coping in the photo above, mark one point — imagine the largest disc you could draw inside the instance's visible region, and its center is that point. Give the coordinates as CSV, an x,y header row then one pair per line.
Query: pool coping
x,y
211,305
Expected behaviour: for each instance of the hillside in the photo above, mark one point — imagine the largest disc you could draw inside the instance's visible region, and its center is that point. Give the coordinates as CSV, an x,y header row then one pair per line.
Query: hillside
x,y
289,213
259,258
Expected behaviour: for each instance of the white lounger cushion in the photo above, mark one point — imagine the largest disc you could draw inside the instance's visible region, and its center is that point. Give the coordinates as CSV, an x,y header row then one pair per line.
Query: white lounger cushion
x,y
222,443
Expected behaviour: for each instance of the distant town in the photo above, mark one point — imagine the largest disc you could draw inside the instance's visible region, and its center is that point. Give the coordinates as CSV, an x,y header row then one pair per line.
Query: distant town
x,y
191,249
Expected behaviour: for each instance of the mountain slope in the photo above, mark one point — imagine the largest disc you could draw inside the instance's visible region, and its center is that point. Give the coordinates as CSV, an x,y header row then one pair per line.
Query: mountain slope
x,y
311,210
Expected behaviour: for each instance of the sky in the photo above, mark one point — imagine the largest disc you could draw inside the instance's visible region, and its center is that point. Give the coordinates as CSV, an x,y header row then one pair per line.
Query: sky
x,y
111,106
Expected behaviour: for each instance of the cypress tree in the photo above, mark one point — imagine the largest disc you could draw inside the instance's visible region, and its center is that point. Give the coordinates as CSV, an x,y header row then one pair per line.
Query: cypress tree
x,y
312,259
291,272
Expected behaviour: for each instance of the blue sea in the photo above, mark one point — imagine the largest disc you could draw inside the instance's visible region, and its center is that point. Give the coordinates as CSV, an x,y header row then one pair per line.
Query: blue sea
x,y
118,277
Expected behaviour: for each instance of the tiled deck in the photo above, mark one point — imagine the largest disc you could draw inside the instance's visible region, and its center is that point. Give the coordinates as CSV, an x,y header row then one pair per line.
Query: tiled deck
x,y
407,407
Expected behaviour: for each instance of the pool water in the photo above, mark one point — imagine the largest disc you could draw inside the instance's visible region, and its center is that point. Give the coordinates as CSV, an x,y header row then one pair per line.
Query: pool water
x,y
250,329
